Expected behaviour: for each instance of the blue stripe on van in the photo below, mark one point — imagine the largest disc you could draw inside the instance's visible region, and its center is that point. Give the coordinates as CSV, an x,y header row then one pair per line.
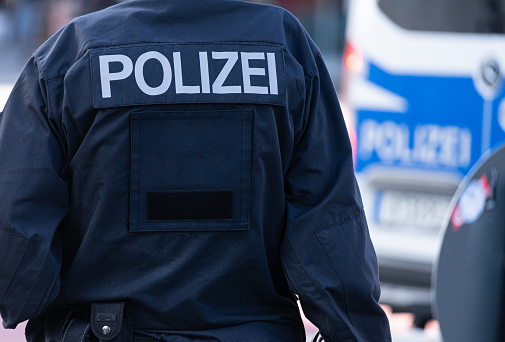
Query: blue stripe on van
x,y
441,129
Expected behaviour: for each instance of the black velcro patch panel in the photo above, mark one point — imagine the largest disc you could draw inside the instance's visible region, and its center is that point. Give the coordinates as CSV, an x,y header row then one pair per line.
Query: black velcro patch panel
x,y
190,205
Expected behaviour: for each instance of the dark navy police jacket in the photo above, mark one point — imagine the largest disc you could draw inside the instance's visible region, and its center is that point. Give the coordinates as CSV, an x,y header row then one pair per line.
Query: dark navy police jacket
x,y
189,157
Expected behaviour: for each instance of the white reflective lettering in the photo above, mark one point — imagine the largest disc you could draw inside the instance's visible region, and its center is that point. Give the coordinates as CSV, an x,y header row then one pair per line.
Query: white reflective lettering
x,y
180,88
448,146
449,140
139,73
204,72
258,71
367,138
388,139
426,144
218,85
247,72
272,73
106,76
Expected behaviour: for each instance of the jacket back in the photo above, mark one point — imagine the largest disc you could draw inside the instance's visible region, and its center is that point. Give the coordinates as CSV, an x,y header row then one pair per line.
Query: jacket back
x,y
191,158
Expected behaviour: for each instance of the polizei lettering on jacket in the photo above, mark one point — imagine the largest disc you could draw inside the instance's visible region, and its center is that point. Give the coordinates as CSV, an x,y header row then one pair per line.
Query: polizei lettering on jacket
x,y
188,73
218,87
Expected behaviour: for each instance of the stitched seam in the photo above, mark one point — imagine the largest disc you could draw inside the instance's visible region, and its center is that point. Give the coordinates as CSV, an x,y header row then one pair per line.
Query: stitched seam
x,y
355,217
228,42
13,233
351,218
85,333
68,329
85,49
346,329
2,296
338,276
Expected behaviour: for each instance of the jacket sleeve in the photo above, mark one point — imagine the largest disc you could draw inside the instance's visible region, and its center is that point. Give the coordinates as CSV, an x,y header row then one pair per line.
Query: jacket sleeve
x,y
327,253
33,201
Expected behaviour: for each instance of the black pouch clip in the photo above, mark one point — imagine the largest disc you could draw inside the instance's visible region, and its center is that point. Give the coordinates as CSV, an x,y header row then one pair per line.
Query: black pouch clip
x,y
110,321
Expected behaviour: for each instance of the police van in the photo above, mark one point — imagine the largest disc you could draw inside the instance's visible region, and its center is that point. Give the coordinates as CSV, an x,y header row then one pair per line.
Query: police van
x,y
422,90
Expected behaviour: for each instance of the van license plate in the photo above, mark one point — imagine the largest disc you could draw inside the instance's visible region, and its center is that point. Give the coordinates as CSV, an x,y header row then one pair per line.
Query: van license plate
x,y
408,208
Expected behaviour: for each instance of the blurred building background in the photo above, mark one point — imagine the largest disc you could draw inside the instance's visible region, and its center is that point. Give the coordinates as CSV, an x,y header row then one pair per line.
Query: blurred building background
x,y
325,22
25,24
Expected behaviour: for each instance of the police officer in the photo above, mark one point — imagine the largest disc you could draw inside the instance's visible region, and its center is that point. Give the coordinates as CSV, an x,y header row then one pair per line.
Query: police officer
x,y
180,171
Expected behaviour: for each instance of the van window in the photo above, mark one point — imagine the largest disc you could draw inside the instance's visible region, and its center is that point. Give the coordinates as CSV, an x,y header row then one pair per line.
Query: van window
x,y
469,16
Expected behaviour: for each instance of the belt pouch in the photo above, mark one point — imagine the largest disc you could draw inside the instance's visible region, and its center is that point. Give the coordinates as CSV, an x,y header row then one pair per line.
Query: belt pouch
x,y
111,322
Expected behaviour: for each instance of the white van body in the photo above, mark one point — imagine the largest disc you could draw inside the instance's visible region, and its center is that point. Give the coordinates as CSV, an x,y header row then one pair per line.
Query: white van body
x,y
423,89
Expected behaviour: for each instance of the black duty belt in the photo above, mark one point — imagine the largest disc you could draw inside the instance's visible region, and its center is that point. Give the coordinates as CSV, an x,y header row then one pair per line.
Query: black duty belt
x,y
107,322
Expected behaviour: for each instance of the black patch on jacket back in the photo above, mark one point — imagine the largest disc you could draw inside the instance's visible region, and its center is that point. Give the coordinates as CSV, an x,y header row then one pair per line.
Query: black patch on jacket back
x,y
190,205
